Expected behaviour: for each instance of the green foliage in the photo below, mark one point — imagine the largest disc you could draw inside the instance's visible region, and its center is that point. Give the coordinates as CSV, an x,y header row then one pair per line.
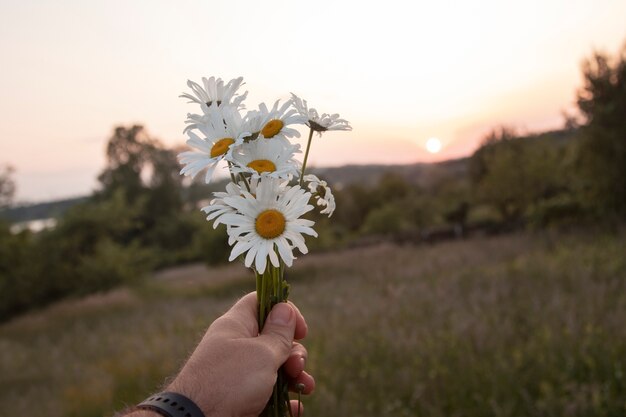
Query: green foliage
x,y
603,150
353,204
7,186
188,237
17,289
392,206
93,248
330,235
127,154
479,162
399,216
559,211
387,220
134,224
514,174
110,265
211,245
541,178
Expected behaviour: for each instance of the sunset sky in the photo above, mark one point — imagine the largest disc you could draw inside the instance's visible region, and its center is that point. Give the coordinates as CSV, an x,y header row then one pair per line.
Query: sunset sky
x,y
400,71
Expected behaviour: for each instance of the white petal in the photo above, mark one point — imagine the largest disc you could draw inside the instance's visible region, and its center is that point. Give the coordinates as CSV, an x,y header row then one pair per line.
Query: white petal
x,y
273,257
261,257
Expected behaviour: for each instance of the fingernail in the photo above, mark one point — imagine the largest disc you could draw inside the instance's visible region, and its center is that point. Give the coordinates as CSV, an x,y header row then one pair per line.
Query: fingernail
x,y
281,314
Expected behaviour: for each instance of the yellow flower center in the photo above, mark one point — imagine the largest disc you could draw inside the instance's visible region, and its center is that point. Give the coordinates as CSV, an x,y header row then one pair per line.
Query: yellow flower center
x,y
221,147
262,165
272,128
270,224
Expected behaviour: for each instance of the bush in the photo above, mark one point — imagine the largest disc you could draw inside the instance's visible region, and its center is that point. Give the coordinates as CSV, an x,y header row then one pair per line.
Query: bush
x,y
110,265
211,245
17,290
393,218
557,211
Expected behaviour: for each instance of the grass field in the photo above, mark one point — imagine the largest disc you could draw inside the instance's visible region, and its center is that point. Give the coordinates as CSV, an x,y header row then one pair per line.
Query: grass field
x,y
526,325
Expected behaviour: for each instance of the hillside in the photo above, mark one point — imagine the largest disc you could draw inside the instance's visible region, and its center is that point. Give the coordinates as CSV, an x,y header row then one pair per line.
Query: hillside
x,y
511,326
422,174
26,212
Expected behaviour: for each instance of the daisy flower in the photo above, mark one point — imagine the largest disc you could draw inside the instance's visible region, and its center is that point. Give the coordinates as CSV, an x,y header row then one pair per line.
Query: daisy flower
x,y
220,134
267,223
272,158
274,122
321,193
217,207
315,121
194,121
215,91
253,122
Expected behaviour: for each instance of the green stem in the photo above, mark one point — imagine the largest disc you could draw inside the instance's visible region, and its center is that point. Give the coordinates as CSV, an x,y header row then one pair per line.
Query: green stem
x,y
306,156
245,181
270,291
259,296
230,170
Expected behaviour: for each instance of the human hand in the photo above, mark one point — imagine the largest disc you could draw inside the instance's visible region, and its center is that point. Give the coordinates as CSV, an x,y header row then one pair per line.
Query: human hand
x,y
233,369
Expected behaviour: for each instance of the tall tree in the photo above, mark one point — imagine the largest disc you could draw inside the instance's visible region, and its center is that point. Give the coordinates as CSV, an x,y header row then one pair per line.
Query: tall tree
x,y
165,182
127,153
7,186
602,101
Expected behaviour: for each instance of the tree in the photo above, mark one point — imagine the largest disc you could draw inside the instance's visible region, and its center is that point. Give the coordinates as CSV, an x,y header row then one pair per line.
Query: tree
x,y
165,183
479,162
7,186
513,174
141,166
602,101
127,155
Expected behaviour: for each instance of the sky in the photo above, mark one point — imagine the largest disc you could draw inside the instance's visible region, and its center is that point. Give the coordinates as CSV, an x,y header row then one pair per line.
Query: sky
x,y
399,71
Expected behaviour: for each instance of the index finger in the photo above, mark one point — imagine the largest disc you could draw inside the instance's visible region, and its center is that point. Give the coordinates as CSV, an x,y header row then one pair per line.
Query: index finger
x,y
301,327
241,319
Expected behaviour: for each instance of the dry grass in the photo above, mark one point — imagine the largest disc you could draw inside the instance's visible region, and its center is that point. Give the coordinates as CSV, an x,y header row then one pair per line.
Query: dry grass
x,y
513,326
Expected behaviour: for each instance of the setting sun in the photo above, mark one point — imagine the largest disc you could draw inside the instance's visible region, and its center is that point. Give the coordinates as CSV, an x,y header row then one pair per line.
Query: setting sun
x,y
433,145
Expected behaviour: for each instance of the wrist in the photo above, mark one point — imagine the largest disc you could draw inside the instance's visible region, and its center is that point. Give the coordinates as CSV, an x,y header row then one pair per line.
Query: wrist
x,y
192,389
141,413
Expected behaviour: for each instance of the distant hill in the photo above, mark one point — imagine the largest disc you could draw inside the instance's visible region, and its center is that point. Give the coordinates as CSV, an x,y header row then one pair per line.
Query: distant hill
x,y
27,212
422,174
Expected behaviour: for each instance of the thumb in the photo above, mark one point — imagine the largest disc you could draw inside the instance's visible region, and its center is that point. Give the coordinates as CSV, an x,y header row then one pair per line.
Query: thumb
x,y
278,332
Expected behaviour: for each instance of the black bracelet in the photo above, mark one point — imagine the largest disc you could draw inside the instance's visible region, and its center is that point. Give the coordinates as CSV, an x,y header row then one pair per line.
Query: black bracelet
x,y
171,404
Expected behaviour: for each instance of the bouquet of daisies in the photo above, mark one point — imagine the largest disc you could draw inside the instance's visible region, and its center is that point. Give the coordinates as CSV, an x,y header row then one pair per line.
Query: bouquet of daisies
x,y
264,203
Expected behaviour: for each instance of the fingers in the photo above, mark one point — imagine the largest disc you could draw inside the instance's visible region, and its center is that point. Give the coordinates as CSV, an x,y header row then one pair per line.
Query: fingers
x,y
278,332
301,326
240,320
306,380
294,367
296,361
